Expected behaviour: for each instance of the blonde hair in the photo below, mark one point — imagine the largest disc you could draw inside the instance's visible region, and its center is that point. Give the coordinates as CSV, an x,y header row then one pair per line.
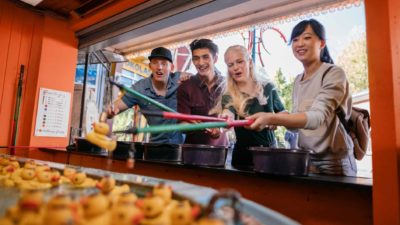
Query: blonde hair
x,y
239,100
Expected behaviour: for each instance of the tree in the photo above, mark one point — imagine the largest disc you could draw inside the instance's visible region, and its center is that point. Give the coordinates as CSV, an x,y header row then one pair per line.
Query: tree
x,y
353,60
284,88
123,121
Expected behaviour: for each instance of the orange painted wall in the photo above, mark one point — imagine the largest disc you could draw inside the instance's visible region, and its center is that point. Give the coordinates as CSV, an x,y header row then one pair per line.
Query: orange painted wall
x,y
48,49
57,68
20,43
383,35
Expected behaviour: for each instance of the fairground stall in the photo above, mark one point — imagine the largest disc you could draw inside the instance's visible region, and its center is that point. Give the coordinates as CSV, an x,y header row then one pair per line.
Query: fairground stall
x,y
56,61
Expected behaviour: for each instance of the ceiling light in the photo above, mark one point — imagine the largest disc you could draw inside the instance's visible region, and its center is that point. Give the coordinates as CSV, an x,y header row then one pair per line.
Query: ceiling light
x,y
32,2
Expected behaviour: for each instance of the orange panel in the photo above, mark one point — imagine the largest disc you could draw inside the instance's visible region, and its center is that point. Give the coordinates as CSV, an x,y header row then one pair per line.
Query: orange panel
x,y
10,75
17,26
5,31
382,20
56,70
107,12
29,87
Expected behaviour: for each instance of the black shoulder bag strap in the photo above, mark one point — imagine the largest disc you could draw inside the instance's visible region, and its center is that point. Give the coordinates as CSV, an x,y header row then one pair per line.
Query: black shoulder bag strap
x,y
339,112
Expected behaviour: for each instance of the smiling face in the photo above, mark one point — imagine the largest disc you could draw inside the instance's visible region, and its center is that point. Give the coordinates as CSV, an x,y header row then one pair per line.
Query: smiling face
x,y
160,68
204,61
238,65
307,46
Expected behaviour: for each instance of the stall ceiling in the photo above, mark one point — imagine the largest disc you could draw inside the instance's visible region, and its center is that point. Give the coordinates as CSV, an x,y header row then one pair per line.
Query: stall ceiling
x,y
165,22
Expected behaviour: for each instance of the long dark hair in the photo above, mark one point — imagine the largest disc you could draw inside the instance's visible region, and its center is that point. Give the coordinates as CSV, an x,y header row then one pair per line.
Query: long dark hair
x,y
319,30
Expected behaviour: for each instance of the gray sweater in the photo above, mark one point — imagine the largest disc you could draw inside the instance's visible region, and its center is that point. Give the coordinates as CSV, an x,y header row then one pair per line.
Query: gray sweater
x,y
318,99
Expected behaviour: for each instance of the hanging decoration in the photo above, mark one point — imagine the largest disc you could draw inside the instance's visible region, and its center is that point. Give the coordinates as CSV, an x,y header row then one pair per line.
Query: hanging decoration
x,y
253,41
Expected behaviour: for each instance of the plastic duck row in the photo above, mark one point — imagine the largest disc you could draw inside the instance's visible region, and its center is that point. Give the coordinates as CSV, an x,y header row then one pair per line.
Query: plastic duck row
x,y
106,208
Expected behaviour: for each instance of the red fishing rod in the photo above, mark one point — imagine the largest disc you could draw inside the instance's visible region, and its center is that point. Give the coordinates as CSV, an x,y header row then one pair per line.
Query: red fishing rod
x,y
182,116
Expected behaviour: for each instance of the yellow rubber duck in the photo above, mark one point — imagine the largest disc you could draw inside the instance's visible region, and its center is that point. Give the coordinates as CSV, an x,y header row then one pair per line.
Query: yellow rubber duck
x,y
106,184
10,175
30,208
210,221
126,215
68,172
43,180
96,210
30,164
26,178
184,214
8,170
99,136
59,211
40,168
80,180
164,191
59,201
3,162
154,211
55,178
59,217
13,161
126,199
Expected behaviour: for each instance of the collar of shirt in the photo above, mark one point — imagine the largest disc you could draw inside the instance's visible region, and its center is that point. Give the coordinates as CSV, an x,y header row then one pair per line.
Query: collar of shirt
x,y
217,80
149,85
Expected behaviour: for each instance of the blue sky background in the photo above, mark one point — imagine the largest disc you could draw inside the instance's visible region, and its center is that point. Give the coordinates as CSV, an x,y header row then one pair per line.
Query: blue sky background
x,y
341,26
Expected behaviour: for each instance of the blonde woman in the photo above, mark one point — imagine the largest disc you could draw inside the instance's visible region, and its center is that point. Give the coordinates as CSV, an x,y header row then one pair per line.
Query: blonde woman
x,y
244,96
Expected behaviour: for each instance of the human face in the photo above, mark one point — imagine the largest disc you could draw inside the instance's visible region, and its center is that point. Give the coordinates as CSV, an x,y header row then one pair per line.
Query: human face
x,y
307,46
238,66
160,68
204,62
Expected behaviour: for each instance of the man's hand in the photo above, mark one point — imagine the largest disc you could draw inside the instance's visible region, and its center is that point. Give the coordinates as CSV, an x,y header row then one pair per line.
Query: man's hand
x,y
184,76
111,111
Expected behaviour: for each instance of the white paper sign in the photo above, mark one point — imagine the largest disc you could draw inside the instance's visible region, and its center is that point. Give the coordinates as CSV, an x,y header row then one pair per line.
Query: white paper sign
x,y
53,113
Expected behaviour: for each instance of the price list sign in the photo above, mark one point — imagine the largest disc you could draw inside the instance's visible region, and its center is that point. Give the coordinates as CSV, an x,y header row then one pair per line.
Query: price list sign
x,y
53,113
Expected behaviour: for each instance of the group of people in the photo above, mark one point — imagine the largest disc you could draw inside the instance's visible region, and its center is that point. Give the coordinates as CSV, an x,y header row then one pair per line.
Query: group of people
x,y
318,92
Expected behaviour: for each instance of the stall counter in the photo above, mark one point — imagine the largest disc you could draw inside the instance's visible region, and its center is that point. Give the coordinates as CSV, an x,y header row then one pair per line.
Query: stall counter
x,y
315,199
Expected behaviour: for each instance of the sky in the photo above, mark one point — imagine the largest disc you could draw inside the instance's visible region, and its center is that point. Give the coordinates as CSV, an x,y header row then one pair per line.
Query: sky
x,y
341,27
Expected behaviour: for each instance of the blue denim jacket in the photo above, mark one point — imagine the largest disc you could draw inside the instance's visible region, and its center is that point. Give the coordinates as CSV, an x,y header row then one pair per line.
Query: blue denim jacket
x,y
145,87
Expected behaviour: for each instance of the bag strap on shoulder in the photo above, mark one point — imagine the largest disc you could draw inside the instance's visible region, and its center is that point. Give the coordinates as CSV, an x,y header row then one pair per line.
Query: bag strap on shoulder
x,y
340,114
323,75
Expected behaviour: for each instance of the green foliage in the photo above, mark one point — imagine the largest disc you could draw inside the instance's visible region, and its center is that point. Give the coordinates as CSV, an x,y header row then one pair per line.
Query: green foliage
x,y
285,89
353,60
123,121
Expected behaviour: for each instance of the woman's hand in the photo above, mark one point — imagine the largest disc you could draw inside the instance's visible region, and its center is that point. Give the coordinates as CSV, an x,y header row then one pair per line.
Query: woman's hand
x,y
213,132
228,115
261,120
